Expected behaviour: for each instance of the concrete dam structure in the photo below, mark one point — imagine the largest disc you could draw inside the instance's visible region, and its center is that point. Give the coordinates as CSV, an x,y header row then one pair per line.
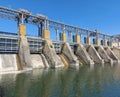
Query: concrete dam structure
x,y
73,46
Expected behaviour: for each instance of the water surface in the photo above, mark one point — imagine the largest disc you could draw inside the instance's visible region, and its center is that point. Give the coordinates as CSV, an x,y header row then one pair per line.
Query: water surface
x,y
100,81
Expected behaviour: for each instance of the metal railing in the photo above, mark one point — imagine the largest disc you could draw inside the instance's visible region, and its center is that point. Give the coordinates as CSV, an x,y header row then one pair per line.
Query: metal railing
x,y
8,43
35,44
42,22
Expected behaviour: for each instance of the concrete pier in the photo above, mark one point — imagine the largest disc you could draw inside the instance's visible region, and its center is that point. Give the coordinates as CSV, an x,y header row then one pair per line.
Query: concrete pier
x,y
83,55
51,56
94,54
111,54
116,51
103,54
24,52
66,50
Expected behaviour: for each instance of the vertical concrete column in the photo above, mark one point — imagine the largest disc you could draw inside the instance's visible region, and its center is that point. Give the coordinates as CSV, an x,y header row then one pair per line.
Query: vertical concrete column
x,y
76,38
46,34
111,43
104,41
88,40
63,37
97,40
24,52
49,51
50,54
67,51
22,30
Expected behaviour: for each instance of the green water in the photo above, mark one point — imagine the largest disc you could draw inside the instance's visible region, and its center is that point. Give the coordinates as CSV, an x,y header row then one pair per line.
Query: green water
x,y
100,81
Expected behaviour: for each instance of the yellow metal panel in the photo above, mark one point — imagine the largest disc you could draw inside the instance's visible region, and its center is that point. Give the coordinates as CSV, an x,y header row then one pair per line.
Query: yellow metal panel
x,y
106,43
98,42
46,34
77,38
64,37
22,30
88,40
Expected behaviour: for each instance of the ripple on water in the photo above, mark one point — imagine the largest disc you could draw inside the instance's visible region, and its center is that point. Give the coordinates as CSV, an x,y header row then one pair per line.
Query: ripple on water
x,y
100,81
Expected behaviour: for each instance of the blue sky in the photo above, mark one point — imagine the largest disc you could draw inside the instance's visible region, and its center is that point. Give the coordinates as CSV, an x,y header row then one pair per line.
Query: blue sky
x,y
103,15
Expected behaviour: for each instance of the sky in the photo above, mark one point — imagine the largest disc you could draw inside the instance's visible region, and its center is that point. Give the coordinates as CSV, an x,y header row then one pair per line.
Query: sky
x,y
103,15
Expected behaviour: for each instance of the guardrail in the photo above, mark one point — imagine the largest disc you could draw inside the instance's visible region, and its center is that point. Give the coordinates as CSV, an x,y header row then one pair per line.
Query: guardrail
x,y
9,43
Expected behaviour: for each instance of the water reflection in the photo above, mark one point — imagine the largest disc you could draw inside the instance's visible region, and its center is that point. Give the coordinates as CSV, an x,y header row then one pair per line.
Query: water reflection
x,y
2,92
87,81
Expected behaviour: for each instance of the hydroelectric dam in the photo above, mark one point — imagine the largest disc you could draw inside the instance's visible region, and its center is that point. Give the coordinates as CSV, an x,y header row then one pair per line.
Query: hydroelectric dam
x,y
72,47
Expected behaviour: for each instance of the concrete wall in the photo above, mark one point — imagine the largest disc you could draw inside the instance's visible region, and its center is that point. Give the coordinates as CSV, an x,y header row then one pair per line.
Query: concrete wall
x,y
9,62
37,61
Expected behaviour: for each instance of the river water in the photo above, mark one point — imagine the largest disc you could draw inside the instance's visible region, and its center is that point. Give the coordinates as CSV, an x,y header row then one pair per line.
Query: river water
x,y
100,81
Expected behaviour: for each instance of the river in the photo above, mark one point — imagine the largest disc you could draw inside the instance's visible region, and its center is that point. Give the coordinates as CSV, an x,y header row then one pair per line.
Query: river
x,y
97,81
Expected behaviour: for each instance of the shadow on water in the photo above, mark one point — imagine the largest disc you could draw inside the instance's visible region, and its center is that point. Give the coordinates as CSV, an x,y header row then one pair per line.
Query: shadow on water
x,y
87,81
2,94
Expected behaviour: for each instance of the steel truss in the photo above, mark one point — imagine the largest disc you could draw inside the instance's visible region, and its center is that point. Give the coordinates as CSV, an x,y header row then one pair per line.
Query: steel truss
x,y
24,16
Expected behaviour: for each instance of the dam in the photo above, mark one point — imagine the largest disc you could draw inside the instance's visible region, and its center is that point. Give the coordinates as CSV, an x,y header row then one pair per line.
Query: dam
x,y
72,47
